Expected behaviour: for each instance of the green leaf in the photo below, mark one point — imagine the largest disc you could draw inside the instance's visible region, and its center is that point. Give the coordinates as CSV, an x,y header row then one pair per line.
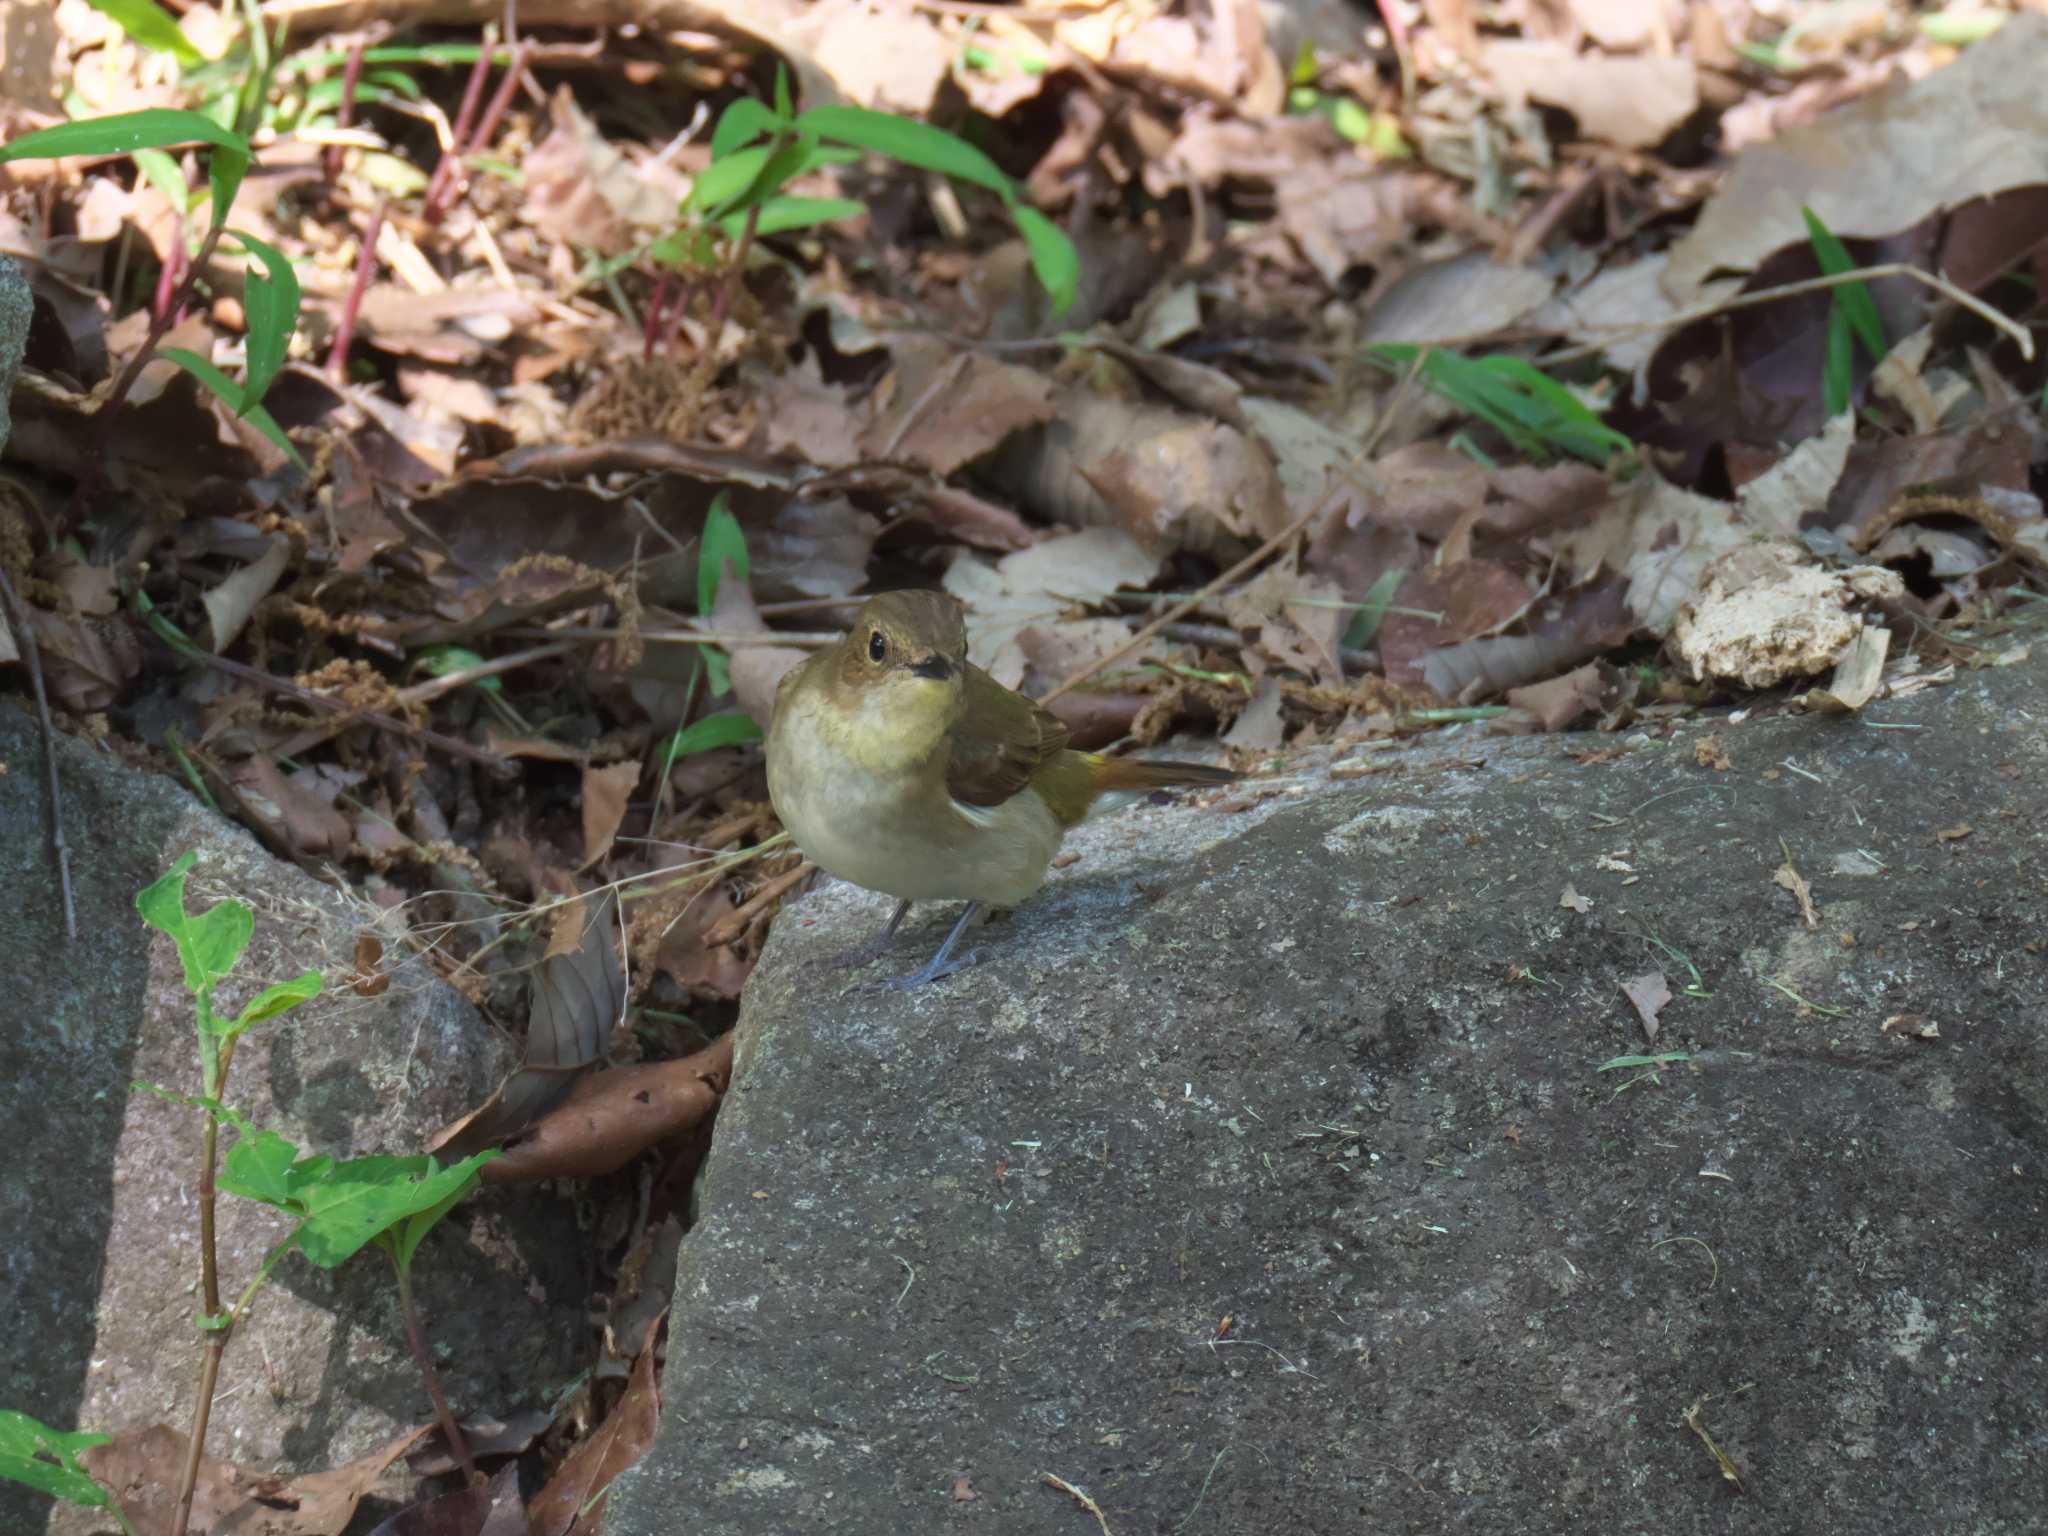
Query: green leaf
x,y
440,660
257,416
208,945
723,540
123,134
274,1000
779,215
406,1237
270,304
1853,298
224,173
46,1459
259,1167
909,141
151,27
713,731
164,175
1053,256
784,106
1838,366
364,1196
1372,608
746,120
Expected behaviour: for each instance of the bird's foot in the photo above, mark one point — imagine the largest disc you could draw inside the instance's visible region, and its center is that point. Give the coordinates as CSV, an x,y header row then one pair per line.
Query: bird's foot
x,y
939,968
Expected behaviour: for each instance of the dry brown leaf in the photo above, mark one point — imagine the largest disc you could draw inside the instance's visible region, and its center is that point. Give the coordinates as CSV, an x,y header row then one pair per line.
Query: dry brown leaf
x,y
1788,878
605,793
610,1118
1648,994
141,1468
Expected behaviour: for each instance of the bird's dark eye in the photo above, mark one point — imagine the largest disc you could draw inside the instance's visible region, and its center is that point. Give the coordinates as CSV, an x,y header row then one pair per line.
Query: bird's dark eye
x,y
878,648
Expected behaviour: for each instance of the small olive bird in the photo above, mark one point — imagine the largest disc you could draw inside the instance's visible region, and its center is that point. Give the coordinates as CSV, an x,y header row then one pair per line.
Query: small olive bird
x,y
898,765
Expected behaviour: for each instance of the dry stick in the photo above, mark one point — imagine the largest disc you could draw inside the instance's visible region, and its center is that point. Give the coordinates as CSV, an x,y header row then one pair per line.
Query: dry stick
x,y
1976,306
739,919
350,715
17,620
1193,600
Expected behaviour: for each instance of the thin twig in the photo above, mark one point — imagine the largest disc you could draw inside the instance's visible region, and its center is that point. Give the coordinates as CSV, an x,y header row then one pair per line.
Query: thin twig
x,y
17,620
737,921
1976,306
1080,1498
1194,600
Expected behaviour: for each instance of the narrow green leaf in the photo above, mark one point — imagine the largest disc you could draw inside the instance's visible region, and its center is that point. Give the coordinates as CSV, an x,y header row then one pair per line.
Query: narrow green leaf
x,y
1853,298
1838,368
148,25
779,215
257,416
909,141
746,120
123,134
723,540
784,106
1053,256
164,175
224,173
724,181
46,1459
1372,609
270,305
712,732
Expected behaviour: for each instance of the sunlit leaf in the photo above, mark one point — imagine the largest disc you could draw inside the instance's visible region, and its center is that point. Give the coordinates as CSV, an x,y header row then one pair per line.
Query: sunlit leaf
x,y
149,25
124,133
910,141
270,305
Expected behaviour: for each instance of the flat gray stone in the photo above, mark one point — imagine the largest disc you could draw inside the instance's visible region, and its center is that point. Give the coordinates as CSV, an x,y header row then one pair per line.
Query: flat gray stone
x,y
99,1267
1263,1176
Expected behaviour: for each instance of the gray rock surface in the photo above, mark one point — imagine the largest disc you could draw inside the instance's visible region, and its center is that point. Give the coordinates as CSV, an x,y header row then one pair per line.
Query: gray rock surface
x,y
1263,1176
98,1233
17,312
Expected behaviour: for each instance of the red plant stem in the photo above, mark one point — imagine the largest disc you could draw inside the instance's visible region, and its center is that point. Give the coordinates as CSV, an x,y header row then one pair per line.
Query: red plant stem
x,y
424,1359
494,114
345,116
167,282
652,329
431,208
366,263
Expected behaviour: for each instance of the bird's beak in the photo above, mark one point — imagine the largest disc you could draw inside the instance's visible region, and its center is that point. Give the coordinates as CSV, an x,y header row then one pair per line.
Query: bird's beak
x,y
935,667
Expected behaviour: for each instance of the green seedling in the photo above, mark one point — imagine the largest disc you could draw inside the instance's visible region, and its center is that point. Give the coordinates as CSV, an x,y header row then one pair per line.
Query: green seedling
x,y
758,149
1535,413
271,292
47,1459
1852,318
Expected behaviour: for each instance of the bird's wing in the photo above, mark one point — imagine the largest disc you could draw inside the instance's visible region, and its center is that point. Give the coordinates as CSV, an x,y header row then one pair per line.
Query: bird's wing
x,y
1002,740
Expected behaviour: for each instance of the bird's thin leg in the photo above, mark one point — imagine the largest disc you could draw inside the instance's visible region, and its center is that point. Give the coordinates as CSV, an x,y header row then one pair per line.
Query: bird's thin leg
x,y
862,953
940,965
